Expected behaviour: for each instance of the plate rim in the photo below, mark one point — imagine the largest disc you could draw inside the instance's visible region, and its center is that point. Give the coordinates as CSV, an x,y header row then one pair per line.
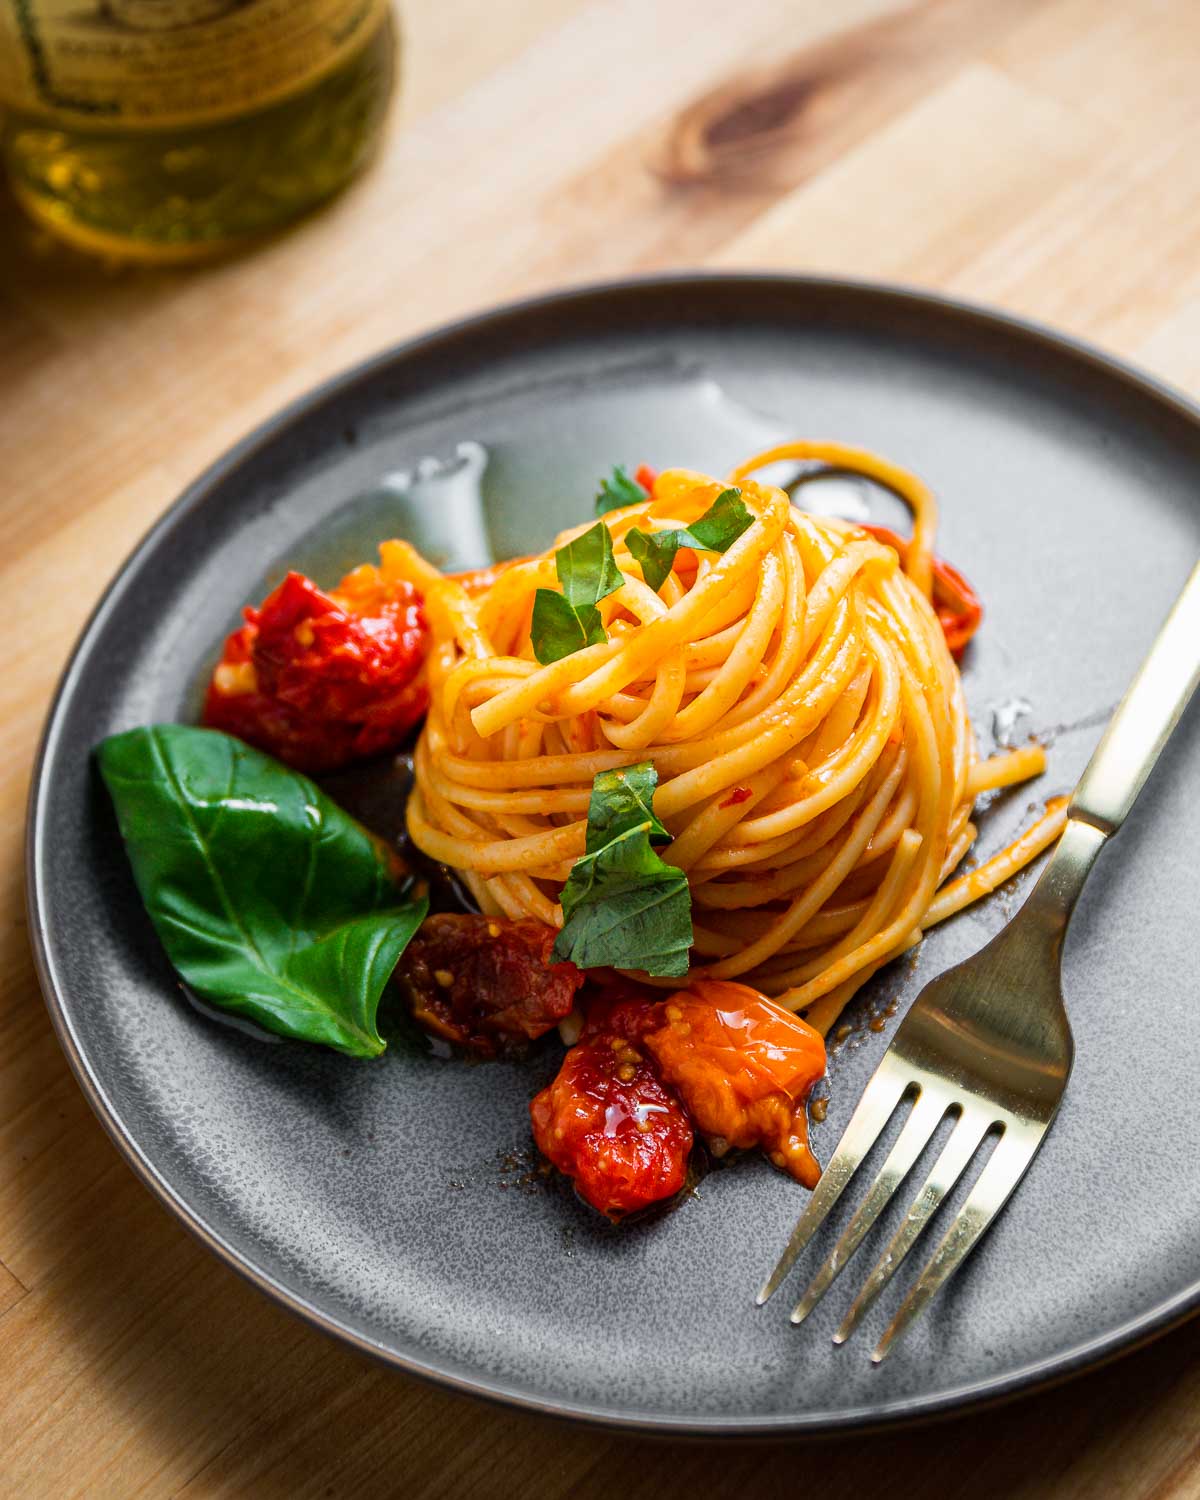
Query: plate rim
x,y
983,1392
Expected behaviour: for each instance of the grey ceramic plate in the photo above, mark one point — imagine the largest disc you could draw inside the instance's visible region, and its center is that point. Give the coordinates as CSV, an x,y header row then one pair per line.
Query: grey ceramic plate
x,y
390,1202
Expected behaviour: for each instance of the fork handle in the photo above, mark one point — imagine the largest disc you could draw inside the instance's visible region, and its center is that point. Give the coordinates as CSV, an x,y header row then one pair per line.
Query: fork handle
x,y
1144,719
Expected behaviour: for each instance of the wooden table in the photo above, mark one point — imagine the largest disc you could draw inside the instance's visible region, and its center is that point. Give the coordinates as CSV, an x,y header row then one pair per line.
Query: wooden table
x,y
1039,154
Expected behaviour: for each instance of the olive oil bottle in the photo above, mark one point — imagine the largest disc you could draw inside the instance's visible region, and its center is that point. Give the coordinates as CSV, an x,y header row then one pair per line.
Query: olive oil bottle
x,y
168,130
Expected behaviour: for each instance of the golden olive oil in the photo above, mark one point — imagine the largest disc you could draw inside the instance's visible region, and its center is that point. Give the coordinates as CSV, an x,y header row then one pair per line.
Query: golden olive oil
x,y
167,130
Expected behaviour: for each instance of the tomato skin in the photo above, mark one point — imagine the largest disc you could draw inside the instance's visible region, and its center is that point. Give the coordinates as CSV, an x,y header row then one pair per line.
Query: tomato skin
x,y
609,1122
743,1067
319,680
486,983
646,476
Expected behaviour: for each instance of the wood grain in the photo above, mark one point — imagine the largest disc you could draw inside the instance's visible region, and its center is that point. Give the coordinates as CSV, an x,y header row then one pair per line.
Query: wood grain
x,y
1035,153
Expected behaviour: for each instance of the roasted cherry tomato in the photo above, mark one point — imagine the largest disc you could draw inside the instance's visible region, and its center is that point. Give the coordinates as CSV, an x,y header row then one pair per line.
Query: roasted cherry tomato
x,y
618,1006
320,680
486,983
743,1067
609,1122
955,602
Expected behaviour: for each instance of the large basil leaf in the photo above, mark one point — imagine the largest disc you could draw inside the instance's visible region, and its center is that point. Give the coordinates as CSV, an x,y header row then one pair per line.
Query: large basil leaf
x,y
271,901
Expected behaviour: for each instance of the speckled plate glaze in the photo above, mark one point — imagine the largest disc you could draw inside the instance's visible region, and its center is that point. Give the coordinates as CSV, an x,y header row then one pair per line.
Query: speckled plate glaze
x,y
391,1202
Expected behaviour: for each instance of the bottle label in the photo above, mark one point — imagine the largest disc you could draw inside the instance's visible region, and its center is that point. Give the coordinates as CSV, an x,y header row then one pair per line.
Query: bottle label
x,y
130,63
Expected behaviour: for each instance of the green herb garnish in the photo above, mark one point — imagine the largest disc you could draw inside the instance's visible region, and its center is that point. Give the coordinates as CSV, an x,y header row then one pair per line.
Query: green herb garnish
x,y
618,491
623,801
623,905
715,531
566,622
271,902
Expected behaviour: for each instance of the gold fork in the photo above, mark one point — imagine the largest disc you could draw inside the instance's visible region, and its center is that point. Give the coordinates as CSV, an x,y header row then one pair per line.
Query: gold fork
x,y
989,1041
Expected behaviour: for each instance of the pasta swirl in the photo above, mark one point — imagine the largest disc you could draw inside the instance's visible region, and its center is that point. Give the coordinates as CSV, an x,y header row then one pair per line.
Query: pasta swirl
x,y
795,693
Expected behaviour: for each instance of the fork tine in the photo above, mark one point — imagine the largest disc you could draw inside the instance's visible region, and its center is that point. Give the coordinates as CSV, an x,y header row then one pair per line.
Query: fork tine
x,y
1016,1149
885,1090
926,1114
949,1167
